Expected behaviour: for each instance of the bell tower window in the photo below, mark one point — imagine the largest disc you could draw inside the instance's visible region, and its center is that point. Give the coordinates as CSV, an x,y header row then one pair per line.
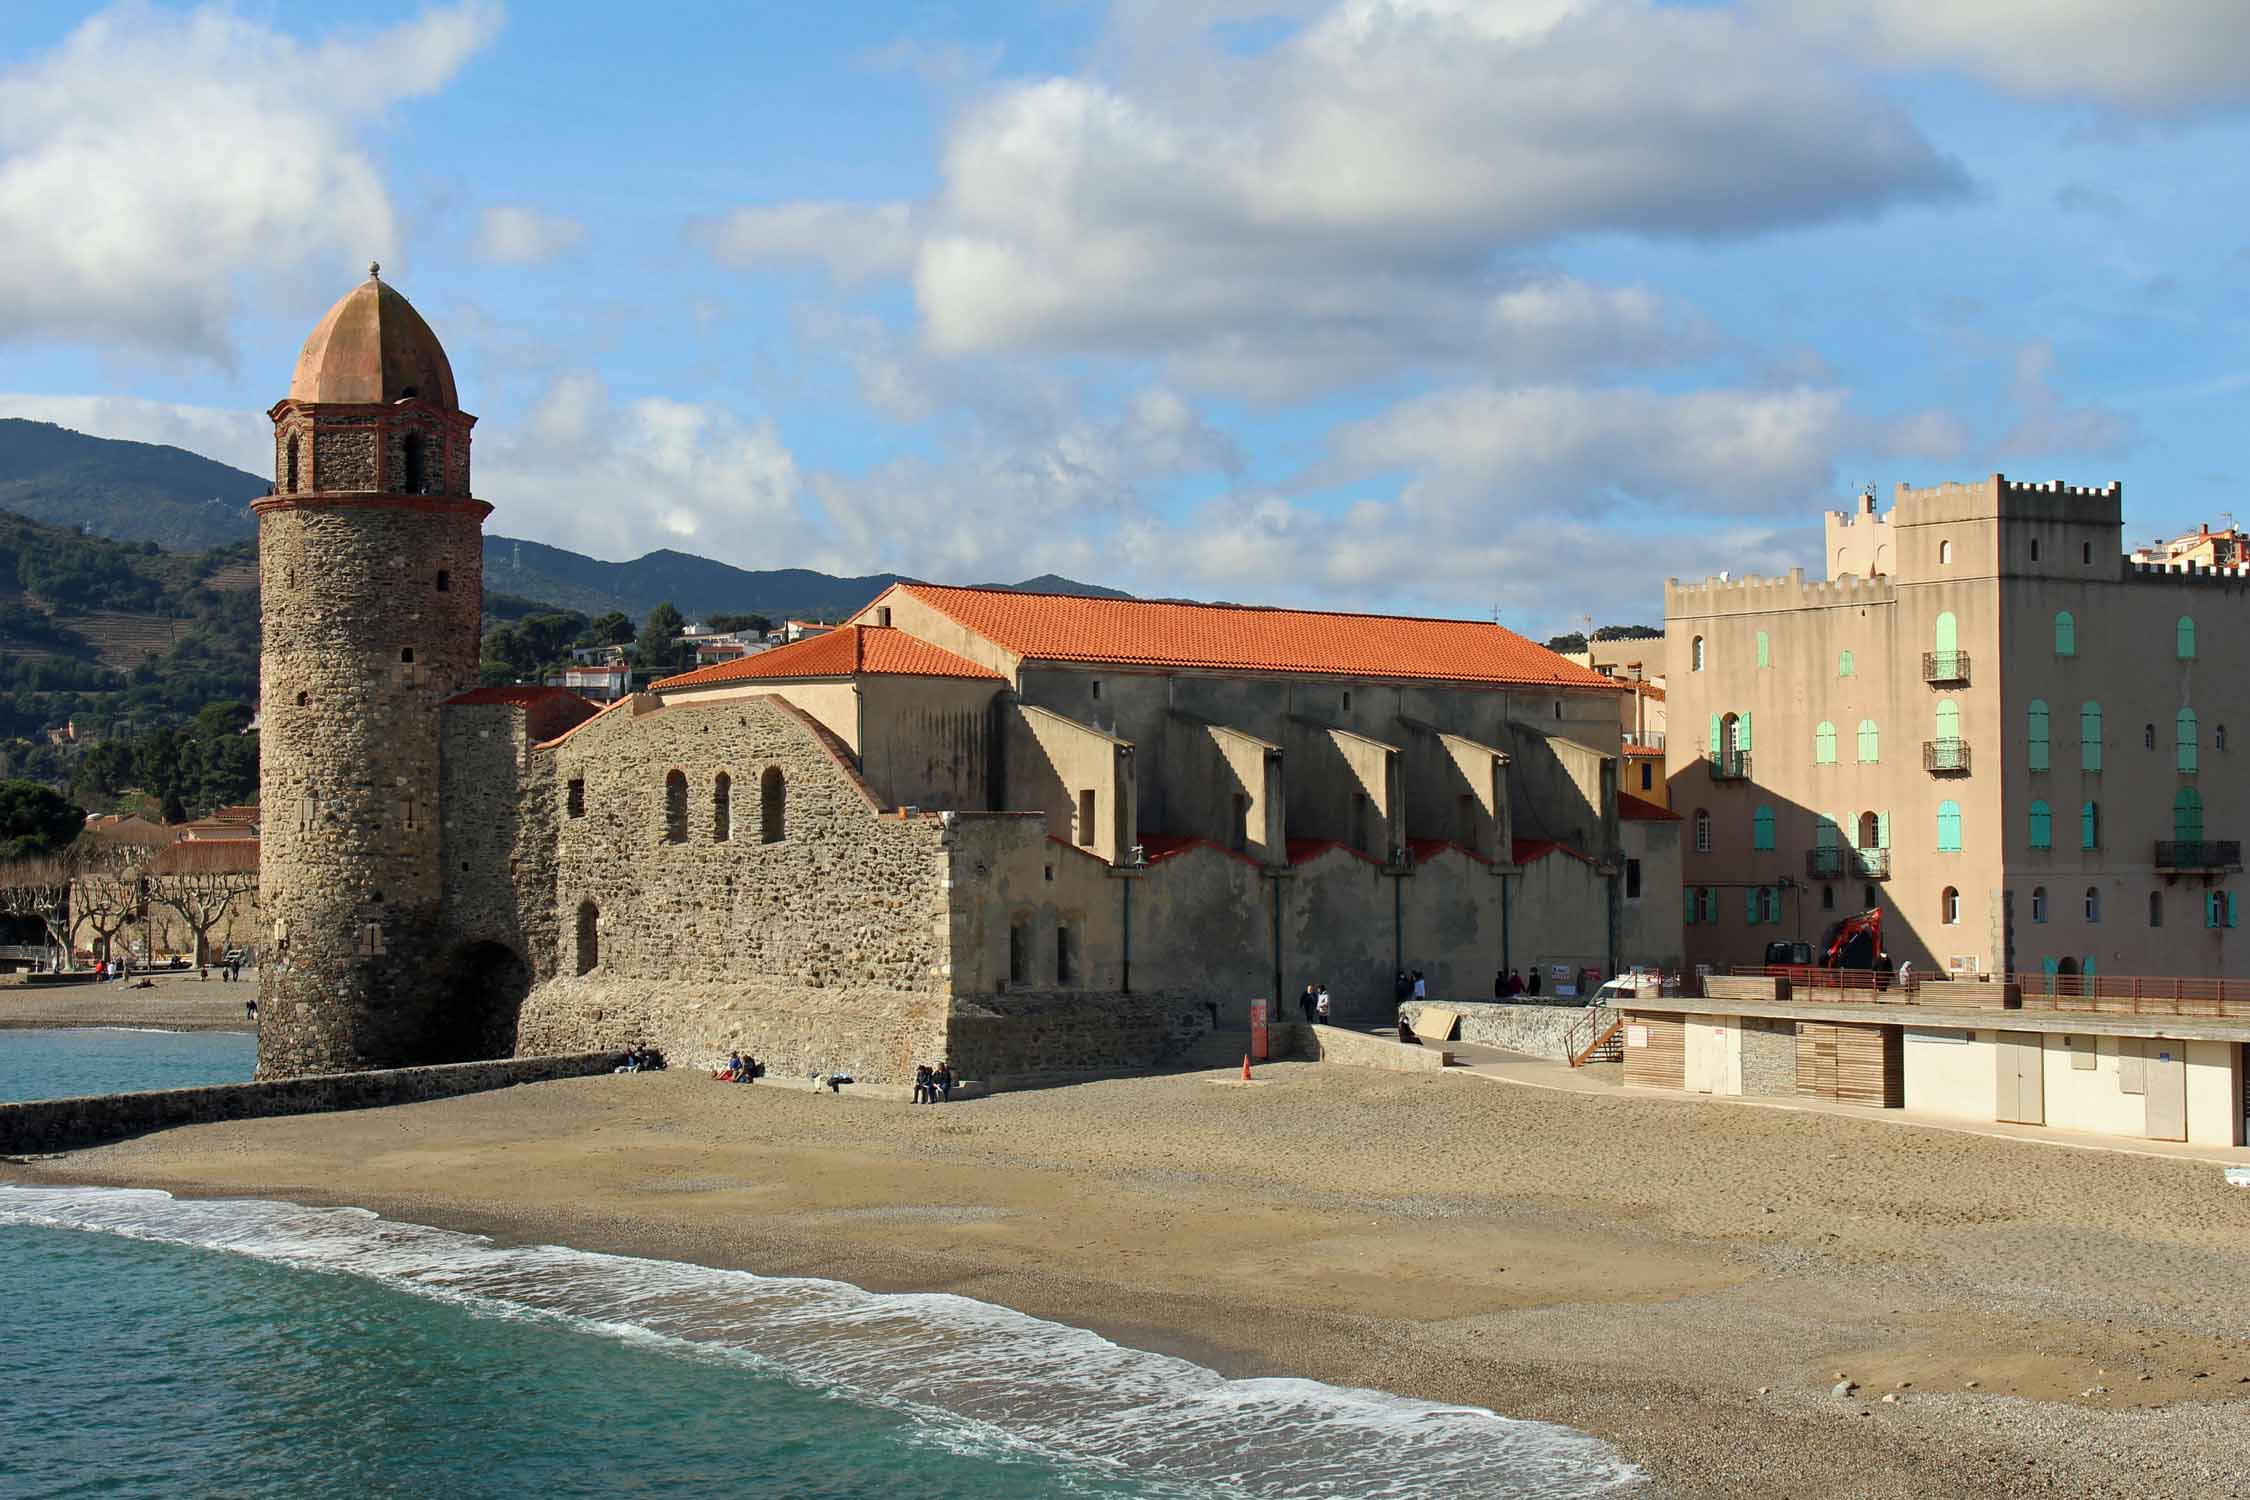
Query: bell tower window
x,y
289,486
417,465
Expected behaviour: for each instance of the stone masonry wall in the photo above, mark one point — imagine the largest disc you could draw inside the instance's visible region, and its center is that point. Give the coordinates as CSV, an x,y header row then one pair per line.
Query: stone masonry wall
x,y
1536,1030
1024,1036
342,459
1769,1057
824,948
498,814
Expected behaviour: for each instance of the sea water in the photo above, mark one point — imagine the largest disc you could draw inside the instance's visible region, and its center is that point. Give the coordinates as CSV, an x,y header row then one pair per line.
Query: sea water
x,y
161,1347
110,1060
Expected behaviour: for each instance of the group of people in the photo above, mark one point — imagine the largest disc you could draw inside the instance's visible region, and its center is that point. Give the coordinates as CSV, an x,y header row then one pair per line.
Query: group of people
x,y
1314,1003
933,1085
230,969
1507,984
640,1059
740,1069
1409,986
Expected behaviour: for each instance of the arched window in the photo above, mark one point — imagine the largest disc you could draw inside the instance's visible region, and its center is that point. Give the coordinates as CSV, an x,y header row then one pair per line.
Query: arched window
x,y
2185,739
2090,826
2186,634
2066,634
2187,815
675,807
444,580
2036,734
1948,719
1947,637
1695,655
2038,903
722,808
2042,826
772,793
1702,831
1874,831
406,653
589,937
1761,828
1949,827
1765,650
1944,553
1828,898
2156,908
1870,742
417,477
2090,736
1824,744
1949,906
2148,736
2093,903
1844,667
291,488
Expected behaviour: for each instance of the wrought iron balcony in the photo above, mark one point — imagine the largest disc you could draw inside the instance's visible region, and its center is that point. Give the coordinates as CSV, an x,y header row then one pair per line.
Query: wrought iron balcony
x,y
1945,757
2199,854
1945,666
1729,765
1840,863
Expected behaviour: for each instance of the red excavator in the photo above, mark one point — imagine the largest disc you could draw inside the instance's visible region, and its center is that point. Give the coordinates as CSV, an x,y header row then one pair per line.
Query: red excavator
x,y
1857,943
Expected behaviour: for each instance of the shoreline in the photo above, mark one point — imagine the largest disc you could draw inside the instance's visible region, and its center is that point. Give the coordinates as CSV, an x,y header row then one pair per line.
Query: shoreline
x,y
173,1002
1615,1307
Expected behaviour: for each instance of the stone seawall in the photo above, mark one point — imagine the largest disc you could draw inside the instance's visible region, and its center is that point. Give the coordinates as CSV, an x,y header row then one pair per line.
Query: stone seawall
x,y
1536,1030
40,1125
1020,1038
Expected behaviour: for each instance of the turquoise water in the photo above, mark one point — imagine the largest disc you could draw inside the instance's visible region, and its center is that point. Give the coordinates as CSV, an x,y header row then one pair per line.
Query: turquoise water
x,y
160,1347
61,1064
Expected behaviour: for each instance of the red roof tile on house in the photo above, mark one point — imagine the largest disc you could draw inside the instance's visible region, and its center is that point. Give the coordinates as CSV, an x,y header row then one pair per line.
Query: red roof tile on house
x,y
1529,850
1634,809
1239,638
1159,847
519,695
1305,851
1429,849
848,651
207,856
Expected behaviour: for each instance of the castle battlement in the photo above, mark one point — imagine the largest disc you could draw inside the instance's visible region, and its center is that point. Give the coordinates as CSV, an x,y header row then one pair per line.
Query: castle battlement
x,y
1752,596
2186,572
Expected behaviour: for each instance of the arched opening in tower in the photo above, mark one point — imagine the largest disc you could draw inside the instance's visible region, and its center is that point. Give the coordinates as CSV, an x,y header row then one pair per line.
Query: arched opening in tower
x,y
478,1015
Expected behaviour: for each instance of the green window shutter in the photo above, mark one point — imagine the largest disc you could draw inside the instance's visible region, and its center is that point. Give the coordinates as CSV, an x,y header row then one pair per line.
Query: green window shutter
x,y
1750,906
2090,826
1716,746
1765,651
1948,634
2187,816
1742,734
2066,634
1688,916
2187,739
1948,720
1870,742
2230,908
2186,634
2042,826
1883,830
2036,734
2090,736
1844,664
1710,906
1949,827
1761,828
1824,744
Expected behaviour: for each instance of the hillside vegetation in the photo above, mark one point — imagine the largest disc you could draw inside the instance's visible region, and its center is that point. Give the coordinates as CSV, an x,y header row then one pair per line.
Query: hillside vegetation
x,y
134,492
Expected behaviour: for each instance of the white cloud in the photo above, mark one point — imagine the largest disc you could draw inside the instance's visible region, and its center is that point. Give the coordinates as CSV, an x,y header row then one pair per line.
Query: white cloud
x,y
513,235
2147,56
241,438
153,160
2046,422
615,479
854,241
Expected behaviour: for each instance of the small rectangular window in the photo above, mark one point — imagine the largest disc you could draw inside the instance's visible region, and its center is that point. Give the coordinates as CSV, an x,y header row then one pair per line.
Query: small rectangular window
x,y
1086,819
1648,776
1632,880
576,799
1347,700
406,815
371,940
1019,954
1066,955
1097,682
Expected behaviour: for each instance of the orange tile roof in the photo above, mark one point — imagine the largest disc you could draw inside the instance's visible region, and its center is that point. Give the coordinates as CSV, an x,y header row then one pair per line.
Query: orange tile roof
x,y
518,695
848,651
1243,638
207,856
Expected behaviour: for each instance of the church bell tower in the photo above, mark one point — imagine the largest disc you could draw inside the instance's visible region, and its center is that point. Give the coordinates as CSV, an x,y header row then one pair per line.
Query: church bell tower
x,y
371,582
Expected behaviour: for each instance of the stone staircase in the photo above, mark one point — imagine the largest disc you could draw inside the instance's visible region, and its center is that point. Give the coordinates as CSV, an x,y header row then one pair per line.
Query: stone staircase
x,y
1213,1049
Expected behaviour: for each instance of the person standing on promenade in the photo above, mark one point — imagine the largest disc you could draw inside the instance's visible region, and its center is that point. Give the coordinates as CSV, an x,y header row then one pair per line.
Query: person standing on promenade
x,y
1320,1005
1306,1002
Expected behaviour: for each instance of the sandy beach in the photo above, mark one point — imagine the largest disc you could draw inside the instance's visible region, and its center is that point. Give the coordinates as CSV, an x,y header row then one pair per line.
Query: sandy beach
x,y
172,1002
1684,1280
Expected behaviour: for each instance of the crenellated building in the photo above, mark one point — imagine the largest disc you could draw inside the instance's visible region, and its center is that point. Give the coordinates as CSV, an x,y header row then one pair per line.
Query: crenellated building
x,y
1986,721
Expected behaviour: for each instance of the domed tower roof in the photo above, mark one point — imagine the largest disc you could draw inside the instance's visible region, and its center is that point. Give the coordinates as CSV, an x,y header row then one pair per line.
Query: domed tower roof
x,y
372,349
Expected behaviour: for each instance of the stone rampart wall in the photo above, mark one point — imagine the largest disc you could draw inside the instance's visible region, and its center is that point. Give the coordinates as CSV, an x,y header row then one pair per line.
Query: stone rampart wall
x,y
1536,1030
1007,1039
1769,1057
41,1125
1333,1044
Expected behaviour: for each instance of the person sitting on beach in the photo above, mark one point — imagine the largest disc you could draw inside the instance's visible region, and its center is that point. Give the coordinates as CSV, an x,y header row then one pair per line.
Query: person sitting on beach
x,y
943,1080
634,1059
1406,1030
732,1070
925,1091
835,1081
749,1071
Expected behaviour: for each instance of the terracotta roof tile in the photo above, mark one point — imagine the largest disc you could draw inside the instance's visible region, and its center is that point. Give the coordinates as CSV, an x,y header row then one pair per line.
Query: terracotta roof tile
x,y
1241,638
1634,809
1528,851
207,856
849,651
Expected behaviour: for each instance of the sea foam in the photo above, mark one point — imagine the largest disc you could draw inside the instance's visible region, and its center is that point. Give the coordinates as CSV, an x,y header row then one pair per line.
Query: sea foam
x,y
970,1374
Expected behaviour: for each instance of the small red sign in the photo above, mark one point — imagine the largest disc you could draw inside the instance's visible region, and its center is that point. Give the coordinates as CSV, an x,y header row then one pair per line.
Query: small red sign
x,y
1258,1029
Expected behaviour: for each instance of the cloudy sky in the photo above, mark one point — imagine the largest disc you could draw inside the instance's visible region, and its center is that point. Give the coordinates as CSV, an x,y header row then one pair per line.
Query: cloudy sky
x,y
1434,305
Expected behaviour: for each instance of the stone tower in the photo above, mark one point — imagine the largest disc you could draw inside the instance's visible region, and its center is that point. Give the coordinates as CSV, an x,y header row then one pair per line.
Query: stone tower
x,y
371,578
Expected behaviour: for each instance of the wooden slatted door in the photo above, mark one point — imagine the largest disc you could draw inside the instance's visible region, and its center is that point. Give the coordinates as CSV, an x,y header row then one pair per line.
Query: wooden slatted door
x,y
1870,1066
1816,1059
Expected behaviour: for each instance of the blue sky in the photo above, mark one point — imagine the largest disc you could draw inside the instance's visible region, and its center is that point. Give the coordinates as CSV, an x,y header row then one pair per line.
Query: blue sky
x,y
1394,304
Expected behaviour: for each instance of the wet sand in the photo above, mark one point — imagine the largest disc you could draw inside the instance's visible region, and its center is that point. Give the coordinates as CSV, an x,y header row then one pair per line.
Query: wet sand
x,y
2050,1322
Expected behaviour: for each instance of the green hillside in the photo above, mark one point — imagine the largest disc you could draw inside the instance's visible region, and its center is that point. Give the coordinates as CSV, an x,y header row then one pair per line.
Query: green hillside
x,y
133,492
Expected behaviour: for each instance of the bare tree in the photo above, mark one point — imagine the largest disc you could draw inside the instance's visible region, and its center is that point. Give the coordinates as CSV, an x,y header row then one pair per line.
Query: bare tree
x,y
202,898
39,887
108,893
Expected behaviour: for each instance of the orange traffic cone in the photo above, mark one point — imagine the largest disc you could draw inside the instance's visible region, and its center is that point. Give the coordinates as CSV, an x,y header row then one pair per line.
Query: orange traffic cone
x,y
1245,1067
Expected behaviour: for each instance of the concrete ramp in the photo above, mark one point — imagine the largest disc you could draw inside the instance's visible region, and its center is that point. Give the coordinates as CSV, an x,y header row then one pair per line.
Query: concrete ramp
x,y
1434,1023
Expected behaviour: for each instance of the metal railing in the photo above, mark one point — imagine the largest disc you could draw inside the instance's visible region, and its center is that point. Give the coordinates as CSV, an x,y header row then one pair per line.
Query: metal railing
x,y
2199,854
1729,765
1945,757
2085,994
2135,995
1644,739
1945,666
1839,862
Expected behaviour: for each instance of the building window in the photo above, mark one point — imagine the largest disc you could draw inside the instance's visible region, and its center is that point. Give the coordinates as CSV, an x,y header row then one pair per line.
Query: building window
x,y
675,807
2218,909
417,477
406,653
1709,904
1066,955
2090,826
2218,737
773,794
2090,736
1648,776
2066,634
1844,667
1240,835
1096,684
406,814
2086,553
1702,831
2185,740
589,937
1769,904
1765,650
2042,826
1948,719
1874,830
1695,655
2038,903
2035,734
1632,880
1867,898
1870,742
1824,744
2186,638
1086,818
1019,953
1949,907
1949,827
2093,903
1347,700
2035,549
1826,833
574,798
1944,553
2156,908
2187,816
292,466
1761,828
722,808
1828,898
444,581
2148,736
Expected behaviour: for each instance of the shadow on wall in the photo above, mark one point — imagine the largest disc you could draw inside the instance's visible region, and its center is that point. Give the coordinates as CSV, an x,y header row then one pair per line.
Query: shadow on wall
x,y
482,1006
